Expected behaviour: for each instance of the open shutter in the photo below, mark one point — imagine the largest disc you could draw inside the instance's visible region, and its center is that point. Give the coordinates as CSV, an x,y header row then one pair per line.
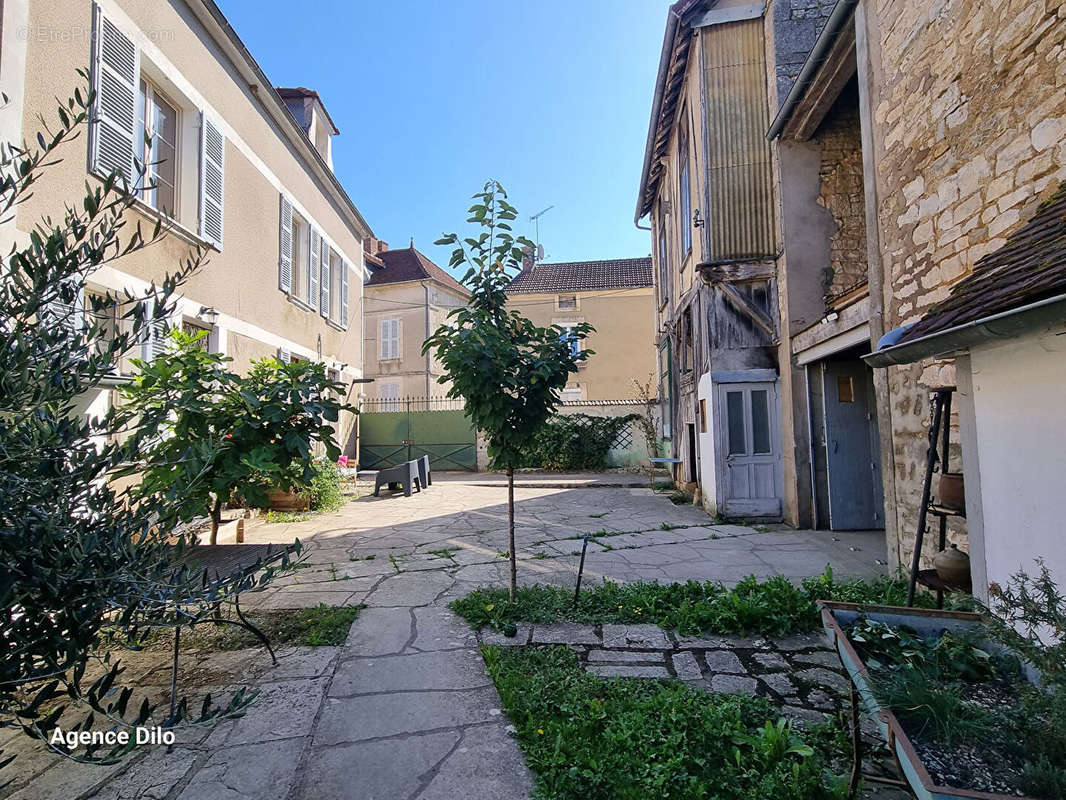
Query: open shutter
x,y
67,310
212,180
327,277
314,248
115,76
285,247
344,294
155,340
283,355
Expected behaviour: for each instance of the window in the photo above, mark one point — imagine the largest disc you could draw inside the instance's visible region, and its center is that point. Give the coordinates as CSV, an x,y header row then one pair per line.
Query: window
x,y
684,222
571,393
664,268
157,148
300,251
191,328
566,302
389,392
685,334
390,339
569,335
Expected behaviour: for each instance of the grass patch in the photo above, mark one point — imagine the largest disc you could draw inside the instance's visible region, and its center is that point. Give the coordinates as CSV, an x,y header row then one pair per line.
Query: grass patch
x,y
273,517
774,607
319,626
590,738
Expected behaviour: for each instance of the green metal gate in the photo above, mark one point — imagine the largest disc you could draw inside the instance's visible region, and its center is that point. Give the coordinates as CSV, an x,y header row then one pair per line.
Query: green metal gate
x,y
393,431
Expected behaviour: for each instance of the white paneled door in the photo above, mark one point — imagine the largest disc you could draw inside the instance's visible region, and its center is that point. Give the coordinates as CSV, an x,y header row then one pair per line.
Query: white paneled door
x,y
747,415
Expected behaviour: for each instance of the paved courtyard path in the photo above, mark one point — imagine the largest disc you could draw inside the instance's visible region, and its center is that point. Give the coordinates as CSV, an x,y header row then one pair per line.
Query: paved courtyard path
x,y
405,709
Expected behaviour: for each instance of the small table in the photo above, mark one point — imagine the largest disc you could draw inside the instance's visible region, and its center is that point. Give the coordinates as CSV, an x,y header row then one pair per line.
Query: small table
x,y
654,462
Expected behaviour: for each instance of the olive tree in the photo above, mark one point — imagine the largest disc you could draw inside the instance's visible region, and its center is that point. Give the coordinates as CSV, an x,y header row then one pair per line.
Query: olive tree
x,y
79,562
508,371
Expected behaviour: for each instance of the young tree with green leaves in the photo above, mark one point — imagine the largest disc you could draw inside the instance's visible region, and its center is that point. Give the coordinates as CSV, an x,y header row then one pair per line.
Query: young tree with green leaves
x,y
508,371
223,436
79,563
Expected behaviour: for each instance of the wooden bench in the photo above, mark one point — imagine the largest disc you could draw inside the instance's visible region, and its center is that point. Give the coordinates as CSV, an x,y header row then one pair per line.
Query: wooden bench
x,y
406,474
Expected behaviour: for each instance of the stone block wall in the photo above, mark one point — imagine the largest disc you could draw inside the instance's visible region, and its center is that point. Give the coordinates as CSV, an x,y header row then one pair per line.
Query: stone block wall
x,y
971,111
796,25
842,194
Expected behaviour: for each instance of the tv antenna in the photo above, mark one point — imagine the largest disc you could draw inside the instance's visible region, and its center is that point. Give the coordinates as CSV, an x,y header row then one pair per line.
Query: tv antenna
x,y
536,220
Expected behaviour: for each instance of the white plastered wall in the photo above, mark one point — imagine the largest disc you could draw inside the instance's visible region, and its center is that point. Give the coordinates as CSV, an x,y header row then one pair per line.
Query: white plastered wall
x,y
1019,407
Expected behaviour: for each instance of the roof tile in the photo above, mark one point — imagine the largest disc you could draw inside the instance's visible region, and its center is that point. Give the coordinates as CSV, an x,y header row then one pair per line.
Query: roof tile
x,y
408,264
581,276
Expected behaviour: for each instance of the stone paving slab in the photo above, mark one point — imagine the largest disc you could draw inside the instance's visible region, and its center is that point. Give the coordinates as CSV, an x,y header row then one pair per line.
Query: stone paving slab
x,y
355,719
443,670
624,657
566,633
386,738
628,671
645,637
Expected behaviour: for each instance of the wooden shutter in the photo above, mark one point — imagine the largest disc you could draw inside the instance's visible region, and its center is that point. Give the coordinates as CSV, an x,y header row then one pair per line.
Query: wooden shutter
x,y
285,247
212,181
313,265
115,79
344,294
323,300
284,356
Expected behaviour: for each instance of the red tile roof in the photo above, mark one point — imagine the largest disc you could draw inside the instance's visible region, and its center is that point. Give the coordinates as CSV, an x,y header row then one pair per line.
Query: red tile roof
x,y
1030,266
410,265
584,276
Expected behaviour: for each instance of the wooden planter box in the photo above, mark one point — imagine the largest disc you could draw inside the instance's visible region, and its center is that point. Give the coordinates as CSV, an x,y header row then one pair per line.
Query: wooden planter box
x,y
278,500
835,616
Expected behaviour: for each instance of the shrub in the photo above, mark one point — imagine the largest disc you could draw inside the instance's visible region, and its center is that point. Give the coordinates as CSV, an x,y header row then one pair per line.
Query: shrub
x,y
574,442
325,491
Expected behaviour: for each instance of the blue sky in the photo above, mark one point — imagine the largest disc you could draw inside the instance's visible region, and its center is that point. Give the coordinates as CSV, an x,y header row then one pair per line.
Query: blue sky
x,y
432,98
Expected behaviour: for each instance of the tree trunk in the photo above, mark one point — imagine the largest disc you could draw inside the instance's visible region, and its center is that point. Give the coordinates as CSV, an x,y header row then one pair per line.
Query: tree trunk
x,y
510,529
216,519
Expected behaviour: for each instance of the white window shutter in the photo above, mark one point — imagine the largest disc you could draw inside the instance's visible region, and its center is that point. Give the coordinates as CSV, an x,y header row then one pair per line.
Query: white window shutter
x,y
323,300
283,355
115,79
344,294
285,247
69,315
314,249
155,339
383,339
212,181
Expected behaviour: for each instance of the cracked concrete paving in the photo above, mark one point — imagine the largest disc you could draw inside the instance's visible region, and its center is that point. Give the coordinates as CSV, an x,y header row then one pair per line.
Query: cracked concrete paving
x,y
405,709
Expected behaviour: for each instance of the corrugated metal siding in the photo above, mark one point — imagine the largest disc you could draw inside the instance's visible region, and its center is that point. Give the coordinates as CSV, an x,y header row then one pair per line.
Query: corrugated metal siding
x,y
740,218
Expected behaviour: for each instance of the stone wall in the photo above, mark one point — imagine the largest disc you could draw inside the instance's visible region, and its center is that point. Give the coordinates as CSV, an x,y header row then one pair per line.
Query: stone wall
x,y
796,25
842,193
971,111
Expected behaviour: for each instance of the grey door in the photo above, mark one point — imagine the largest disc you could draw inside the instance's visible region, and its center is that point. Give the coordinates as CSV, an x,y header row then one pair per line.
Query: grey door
x,y
852,464
751,442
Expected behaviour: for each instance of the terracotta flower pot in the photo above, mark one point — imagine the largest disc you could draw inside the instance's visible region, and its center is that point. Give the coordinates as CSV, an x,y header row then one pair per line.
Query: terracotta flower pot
x,y
951,490
953,567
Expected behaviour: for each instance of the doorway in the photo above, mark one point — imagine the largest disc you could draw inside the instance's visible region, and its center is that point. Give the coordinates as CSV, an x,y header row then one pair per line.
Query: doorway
x,y
846,448
751,444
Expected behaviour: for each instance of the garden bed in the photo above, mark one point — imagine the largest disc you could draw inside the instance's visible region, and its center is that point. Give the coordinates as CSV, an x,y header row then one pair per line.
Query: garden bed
x,y
956,708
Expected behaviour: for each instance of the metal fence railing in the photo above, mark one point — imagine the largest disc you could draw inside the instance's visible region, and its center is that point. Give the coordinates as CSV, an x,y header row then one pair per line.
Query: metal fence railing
x,y
408,404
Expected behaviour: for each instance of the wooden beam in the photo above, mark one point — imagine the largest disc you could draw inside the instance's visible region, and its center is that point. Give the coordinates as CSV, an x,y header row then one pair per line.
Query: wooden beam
x,y
737,301
737,271
838,68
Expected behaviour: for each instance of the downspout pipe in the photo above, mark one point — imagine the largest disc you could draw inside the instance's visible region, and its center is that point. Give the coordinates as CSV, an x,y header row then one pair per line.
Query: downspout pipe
x,y
838,19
